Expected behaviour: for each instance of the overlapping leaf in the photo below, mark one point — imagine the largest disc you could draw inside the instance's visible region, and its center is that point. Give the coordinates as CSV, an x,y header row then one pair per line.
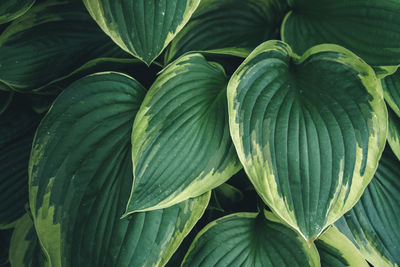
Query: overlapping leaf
x,y
25,248
50,41
142,27
374,221
335,250
393,136
309,131
181,145
248,239
12,9
229,23
368,28
80,177
391,90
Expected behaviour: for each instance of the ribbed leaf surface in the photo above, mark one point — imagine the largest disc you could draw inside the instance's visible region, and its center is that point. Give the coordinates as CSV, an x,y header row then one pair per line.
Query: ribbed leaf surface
x,y
309,131
229,23
142,27
80,177
335,250
25,248
391,90
51,40
181,145
245,239
368,28
374,221
14,159
393,136
12,9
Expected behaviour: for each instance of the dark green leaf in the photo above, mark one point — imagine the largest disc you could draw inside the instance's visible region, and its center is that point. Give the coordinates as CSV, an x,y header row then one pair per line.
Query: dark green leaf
x,y
393,136
50,41
17,120
142,27
229,23
12,9
5,100
391,90
309,130
374,221
133,67
335,250
368,28
14,159
80,177
181,147
248,239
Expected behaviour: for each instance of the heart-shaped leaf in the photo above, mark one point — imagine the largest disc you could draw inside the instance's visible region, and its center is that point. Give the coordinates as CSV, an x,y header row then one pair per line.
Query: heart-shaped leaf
x,y
12,9
142,27
80,177
229,23
248,239
368,28
50,41
335,250
181,145
308,130
374,221
25,248
391,90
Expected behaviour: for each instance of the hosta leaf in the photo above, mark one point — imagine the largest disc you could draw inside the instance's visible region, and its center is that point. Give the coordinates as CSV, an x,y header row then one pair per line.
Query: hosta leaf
x,y
50,41
12,9
393,136
248,239
391,90
229,23
335,250
143,28
181,145
80,177
5,100
374,221
308,130
368,28
14,159
25,248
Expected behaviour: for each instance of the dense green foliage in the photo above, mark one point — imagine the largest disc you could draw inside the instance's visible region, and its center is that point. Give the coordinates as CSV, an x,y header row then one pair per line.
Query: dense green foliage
x,y
199,133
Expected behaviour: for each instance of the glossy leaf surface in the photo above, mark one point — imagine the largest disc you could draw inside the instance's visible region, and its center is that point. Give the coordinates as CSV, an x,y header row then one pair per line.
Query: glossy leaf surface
x,y
374,221
181,145
5,100
12,9
50,41
142,27
218,24
367,28
309,131
80,176
245,239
